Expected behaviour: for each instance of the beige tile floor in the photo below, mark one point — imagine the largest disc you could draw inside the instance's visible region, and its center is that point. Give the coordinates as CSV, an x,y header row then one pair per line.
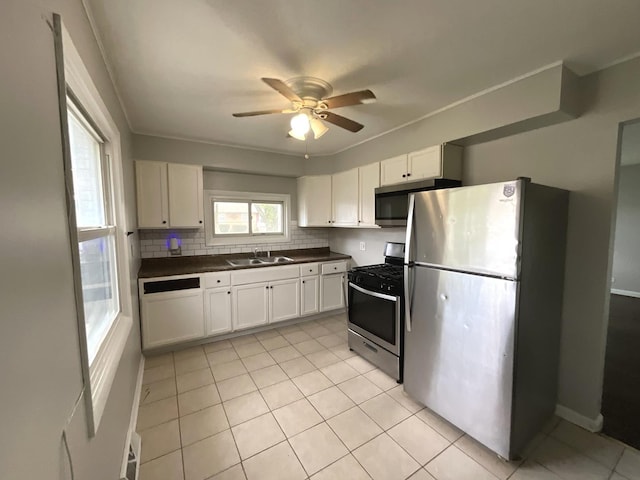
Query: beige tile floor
x,y
294,403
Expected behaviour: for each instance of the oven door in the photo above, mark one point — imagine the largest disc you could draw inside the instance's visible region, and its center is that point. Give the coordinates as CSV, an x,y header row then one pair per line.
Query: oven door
x,y
375,316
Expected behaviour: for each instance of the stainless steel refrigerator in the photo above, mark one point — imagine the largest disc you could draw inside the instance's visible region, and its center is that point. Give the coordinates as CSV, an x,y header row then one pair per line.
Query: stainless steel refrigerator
x,y
484,268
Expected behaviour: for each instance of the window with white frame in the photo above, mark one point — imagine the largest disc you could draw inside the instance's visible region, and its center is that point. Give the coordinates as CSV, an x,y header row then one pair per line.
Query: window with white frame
x,y
97,227
245,217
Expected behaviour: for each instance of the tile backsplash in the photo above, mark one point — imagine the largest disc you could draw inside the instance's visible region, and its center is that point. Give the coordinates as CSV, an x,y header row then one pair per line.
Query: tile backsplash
x,y
155,243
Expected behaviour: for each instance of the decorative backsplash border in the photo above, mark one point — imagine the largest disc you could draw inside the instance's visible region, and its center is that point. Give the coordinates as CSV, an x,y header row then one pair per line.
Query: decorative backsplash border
x,y
155,243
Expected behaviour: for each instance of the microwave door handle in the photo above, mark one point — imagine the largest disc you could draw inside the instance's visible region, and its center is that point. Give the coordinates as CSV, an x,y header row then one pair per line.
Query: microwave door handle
x,y
408,265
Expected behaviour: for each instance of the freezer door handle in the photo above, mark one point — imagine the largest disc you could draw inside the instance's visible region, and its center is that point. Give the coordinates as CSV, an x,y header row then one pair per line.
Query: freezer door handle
x,y
407,250
408,296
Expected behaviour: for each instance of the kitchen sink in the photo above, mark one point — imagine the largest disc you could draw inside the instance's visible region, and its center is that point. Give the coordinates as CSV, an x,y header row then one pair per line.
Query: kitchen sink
x,y
244,262
275,259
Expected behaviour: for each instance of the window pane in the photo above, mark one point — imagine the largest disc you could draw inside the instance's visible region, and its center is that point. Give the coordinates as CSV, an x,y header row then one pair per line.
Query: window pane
x,y
230,218
266,217
86,167
97,270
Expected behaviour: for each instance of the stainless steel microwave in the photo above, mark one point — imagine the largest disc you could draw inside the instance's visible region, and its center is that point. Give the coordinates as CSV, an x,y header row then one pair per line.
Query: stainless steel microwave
x,y
392,201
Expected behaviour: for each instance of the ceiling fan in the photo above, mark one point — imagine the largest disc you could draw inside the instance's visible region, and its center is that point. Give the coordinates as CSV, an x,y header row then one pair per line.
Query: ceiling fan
x,y
311,102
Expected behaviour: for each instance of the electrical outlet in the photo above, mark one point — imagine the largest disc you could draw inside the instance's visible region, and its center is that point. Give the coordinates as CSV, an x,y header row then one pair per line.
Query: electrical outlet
x,y
362,246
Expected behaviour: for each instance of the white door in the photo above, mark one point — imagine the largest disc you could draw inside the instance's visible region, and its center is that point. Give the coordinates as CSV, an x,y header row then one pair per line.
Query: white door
x,y
284,300
250,305
393,170
217,310
151,193
344,191
332,292
309,295
425,163
314,201
368,181
172,317
185,196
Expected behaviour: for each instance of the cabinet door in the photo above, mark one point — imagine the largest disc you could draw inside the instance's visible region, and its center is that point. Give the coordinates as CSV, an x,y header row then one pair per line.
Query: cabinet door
x,y
344,191
172,317
250,304
284,301
368,181
393,170
217,310
151,193
314,201
331,292
309,295
185,196
425,163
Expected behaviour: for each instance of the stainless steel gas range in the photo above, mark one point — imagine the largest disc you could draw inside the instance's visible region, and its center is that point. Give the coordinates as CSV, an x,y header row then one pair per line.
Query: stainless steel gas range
x,y
376,311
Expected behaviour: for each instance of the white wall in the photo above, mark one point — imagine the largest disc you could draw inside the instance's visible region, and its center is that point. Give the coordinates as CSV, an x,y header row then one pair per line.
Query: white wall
x,y
626,252
578,155
218,157
39,345
347,240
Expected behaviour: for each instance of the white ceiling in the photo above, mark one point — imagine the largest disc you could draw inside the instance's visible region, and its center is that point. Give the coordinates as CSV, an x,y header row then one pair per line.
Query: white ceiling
x,y
183,67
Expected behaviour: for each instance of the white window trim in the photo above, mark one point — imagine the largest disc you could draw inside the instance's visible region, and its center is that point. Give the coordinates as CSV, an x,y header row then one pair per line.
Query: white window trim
x,y
99,375
212,240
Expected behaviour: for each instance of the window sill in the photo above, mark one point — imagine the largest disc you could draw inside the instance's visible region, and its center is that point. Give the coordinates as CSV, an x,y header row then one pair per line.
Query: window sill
x,y
103,369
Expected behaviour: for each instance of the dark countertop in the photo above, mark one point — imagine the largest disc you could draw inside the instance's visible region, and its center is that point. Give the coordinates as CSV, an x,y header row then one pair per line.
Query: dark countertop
x,y
167,266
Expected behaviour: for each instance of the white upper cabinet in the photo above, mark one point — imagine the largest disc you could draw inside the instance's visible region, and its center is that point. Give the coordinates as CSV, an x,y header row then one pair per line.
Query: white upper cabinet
x,y
393,170
368,181
152,194
439,161
425,163
185,196
314,201
169,195
345,198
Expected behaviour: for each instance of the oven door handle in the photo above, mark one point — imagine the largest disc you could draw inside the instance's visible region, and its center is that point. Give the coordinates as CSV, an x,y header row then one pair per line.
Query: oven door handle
x,y
373,294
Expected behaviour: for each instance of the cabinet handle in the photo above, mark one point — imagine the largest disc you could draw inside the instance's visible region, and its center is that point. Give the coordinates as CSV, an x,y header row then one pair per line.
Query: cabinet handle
x,y
164,221
408,174
200,221
403,175
218,281
302,281
267,287
228,293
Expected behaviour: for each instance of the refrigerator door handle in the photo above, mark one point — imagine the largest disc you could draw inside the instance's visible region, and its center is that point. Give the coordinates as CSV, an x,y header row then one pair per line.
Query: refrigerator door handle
x,y
408,261
407,250
408,296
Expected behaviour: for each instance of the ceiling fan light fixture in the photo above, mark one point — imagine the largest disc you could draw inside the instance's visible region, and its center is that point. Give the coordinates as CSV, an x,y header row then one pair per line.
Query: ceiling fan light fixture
x,y
300,125
318,128
297,135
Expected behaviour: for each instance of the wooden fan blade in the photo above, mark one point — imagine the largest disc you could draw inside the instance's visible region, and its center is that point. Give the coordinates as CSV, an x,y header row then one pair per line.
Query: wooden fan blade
x,y
282,88
260,112
342,122
353,98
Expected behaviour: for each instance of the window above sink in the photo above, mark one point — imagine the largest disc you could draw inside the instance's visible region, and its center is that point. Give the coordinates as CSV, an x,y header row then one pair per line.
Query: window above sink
x,y
233,218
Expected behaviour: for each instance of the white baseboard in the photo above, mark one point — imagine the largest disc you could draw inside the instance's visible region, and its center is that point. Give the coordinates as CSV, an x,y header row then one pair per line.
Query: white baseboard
x,y
133,419
591,424
626,293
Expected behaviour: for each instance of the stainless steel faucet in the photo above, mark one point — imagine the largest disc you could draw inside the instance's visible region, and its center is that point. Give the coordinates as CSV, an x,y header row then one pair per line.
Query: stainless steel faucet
x,y
255,252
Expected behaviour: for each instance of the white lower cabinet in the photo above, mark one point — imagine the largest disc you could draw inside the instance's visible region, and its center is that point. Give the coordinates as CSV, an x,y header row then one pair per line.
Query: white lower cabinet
x,y
217,310
180,308
250,305
309,295
284,300
332,293
172,317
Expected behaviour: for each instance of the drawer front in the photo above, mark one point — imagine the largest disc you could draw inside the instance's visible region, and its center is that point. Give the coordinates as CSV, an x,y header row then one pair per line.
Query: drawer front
x,y
308,269
264,274
212,280
334,267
